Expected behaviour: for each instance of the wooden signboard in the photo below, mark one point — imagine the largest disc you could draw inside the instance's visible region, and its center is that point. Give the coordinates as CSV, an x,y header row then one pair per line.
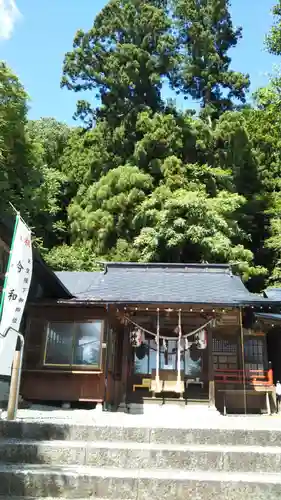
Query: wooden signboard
x,y
228,318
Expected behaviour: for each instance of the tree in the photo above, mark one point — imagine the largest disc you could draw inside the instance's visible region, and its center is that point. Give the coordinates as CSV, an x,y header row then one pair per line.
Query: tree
x,y
18,174
180,222
147,181
264,127
273,40
124,57
52,136
103,214
205,36
273,242
49,138
71,257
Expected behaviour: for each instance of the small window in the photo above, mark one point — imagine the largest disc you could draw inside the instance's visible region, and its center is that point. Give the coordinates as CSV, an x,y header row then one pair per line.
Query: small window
x,y
74,344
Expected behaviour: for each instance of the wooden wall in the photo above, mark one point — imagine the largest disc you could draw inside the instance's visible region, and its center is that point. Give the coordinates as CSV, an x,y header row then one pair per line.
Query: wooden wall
x,y
115,378
47,383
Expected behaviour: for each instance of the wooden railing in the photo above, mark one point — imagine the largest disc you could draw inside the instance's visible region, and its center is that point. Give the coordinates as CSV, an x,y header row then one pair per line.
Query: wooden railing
x,y
252,377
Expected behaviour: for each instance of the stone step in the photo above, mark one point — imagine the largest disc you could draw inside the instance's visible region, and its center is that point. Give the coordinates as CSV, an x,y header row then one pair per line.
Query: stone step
x,y
128,455
168,410
142,434
135,484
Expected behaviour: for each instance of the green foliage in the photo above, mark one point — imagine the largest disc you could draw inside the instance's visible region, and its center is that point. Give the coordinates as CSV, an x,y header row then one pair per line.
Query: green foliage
x,y
17,170
185,225
104,213
273,40
124,57
145,181
52,136
205,36
48,139
71,258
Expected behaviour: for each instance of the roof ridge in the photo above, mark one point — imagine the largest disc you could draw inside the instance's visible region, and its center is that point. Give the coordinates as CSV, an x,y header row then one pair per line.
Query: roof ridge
x,y
165,265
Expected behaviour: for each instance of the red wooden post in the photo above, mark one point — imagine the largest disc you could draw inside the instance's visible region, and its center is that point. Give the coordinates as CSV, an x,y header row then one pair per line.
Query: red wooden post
x,y
270,375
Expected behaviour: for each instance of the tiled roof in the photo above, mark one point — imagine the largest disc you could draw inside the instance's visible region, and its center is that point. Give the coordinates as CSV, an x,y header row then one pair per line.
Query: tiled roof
x,y
273,293
159,283
269,317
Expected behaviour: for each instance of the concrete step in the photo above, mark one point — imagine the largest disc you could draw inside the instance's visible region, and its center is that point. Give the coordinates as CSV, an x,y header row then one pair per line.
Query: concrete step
x,y
135,484
130,455
165,435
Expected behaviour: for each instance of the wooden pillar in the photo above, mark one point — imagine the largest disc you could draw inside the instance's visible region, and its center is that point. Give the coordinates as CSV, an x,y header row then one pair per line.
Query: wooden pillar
x,y
212,399
124,376
243,358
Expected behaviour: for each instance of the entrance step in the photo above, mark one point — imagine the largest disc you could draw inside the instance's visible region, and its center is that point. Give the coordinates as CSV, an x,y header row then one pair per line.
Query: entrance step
x,y
128,455
135,484
143,434
173,401
169,408
50,461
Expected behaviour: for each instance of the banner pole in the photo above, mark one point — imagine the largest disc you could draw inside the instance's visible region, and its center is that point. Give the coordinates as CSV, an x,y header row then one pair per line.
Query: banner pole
x,y
19,215
8,266
15,381
15,292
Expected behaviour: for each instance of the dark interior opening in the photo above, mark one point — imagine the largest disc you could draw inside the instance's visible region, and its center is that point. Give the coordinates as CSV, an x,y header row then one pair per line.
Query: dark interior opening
x,y
274,351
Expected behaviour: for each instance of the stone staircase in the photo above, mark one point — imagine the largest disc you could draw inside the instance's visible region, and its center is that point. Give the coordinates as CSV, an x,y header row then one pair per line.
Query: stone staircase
x,y
44,460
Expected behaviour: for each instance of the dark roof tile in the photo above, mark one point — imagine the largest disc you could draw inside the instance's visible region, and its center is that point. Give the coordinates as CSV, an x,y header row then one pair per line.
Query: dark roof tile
x,y
159,283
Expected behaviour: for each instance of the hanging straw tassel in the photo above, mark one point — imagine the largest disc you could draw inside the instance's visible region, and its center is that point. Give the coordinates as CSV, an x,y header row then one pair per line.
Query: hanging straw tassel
x,y
157,379
179,351
165,348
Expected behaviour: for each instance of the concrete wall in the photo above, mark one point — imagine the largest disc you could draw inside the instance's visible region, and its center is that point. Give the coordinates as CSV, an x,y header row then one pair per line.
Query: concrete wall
x,y
4,392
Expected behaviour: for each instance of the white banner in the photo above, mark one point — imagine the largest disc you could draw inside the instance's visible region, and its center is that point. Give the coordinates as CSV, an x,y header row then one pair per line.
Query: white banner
x,y
15,292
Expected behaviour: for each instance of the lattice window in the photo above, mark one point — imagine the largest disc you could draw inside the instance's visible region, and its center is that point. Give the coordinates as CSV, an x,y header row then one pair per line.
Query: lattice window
x,y
254,353
225,354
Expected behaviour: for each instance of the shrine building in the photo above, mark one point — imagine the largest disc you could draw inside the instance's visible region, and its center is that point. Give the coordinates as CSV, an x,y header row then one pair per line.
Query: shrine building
x,y
132,334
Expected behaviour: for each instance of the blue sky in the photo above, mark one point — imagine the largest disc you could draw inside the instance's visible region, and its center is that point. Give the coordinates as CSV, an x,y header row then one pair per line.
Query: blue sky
x,y
36,37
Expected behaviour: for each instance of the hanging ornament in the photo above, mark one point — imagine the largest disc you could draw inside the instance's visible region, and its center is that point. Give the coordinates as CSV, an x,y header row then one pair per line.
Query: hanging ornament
x,y
165,347
201,339
158,331
141,351
187,344
176,330
213,323
182,345
136,337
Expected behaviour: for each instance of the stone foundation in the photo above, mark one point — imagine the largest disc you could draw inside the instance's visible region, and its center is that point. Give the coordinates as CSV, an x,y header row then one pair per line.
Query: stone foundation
x,y
91,460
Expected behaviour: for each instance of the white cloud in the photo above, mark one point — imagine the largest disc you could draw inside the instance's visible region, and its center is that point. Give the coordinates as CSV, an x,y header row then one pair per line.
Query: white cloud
x,y
9,14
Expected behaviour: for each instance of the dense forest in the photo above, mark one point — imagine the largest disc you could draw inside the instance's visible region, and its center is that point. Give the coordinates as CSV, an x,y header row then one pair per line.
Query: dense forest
x,y
141,179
